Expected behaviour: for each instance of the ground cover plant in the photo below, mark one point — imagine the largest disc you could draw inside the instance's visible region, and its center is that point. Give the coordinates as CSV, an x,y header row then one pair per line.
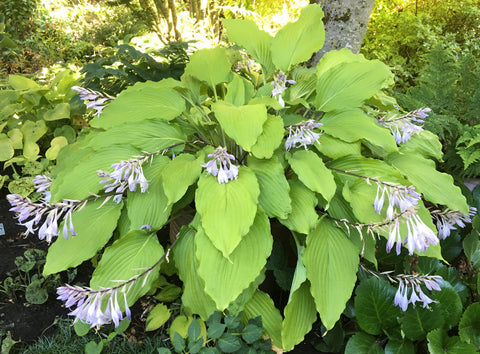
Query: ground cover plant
x,y
253,152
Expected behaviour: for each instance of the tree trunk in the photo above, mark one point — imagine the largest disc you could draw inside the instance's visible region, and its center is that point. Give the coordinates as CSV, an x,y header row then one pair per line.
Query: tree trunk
x,y
345,24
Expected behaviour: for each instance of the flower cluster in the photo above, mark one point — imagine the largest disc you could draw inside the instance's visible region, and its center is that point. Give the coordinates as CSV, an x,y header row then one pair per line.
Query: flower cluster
x,y
30,214
90,302
127,174
95,99
279,85
414,282
403,128
220,165
447,219
419,236
42,185
302,134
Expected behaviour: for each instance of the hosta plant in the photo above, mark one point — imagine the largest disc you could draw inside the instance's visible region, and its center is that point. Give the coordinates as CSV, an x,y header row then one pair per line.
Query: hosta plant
x,y
244,142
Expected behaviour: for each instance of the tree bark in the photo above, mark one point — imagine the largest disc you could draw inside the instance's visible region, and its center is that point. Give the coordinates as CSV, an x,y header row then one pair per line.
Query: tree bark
x,y
345,24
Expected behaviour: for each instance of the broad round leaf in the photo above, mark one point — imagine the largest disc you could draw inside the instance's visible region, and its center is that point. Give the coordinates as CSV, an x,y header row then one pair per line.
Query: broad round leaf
x,y
270,138
418,321
55,146
331,261
210,65
440,343
61,111
157,317
374,306
362,343
469,327
227,210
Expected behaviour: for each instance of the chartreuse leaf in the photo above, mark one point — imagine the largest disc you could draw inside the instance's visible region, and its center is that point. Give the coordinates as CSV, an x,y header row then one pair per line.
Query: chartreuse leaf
x,y
181,325
349,84
55,146
311,170
331,261
362,343
262,305
157,317
274,195
61,111
238,305
83,173
210,65
94,227
374,306
194,297
225,279
19,82
125,258
270,138
297,41
424,143
16,138
152,207
178,175
239,91
6,148
303,217
227,210
243,124
336,57
32,132
418,321
440,343
353,125
300,314
144,100
257,42
149,135
421,172
469,327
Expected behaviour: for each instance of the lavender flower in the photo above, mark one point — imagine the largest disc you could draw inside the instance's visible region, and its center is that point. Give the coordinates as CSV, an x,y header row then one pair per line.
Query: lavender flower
x,y
220,166
42,185
127,174
419,236
403,128
89,304
399,196
447,219
414,282
302,134
30,214
279,85
95,99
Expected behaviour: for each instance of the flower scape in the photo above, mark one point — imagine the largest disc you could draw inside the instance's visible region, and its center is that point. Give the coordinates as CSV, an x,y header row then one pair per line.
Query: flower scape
x,y
239,151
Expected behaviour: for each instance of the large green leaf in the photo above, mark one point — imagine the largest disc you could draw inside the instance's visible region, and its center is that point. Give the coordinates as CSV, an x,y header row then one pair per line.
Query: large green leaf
x,y
440,343
374,306
303,217
178,175
148,135
243,124
20,82
353,125
152,207
297,41
418,321
257,42
469,327
144,100
331,261
126,258
300,314
349,84
437,187
194,297
210,65
424,143
274,189
61,111
6,149
94,227
262,305
227,210
239,91
270,138
399,347
82,172
311,170
225,279
336,148
471,246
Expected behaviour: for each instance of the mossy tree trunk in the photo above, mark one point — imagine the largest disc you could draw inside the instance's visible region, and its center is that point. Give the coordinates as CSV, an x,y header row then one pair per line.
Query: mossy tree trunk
x,y
345,24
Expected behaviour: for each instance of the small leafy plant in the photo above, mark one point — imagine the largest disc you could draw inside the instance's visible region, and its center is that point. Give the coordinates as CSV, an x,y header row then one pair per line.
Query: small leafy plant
x,y
247,144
